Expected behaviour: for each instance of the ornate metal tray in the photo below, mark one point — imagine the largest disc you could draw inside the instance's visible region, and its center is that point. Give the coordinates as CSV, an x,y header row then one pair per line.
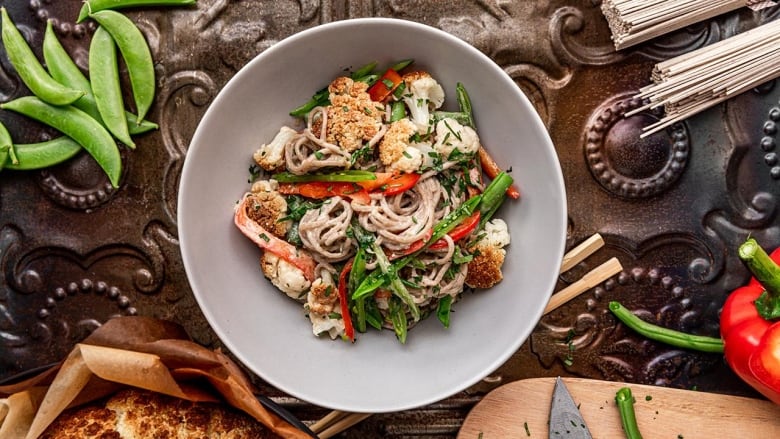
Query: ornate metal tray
x,y
672,207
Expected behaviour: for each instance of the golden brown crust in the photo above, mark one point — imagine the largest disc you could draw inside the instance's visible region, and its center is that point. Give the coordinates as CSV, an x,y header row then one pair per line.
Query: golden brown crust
x,y
268,209
134,413
353,118
484,270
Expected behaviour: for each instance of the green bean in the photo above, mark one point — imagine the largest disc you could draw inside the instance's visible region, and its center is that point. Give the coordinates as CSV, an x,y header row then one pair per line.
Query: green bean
x,y
400,65
444,309
66,72
363,71
44,154
464,102
30,69
91,6
321,98
350,175
79,126
397,111
135,51
625,402
671,337
398,318
104,79
7,147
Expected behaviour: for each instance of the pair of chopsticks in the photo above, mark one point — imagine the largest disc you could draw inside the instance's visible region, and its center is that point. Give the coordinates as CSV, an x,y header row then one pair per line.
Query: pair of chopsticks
x,y
337,421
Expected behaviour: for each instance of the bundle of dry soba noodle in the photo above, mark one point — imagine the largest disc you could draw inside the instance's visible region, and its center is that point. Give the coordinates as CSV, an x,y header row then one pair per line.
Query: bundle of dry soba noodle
x,y
635,21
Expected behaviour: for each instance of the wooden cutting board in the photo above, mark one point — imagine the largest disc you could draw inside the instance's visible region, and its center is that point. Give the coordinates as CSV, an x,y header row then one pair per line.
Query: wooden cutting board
x,y
521,409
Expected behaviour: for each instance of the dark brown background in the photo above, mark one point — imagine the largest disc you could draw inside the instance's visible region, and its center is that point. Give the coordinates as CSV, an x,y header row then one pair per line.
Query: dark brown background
x,y
672,207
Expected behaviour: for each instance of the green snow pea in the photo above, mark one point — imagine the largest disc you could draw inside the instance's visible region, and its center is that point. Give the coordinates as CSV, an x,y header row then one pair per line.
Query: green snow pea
x,y
66,72
104,79
6,147
137,56
30,69
79,126
91,6
44,154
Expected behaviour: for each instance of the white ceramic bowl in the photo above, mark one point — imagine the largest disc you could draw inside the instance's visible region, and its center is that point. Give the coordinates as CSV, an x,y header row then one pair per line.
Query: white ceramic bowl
x,y
266,330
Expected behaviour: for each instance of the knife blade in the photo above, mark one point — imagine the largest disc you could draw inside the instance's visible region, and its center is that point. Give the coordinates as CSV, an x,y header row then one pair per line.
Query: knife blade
x,y
565,418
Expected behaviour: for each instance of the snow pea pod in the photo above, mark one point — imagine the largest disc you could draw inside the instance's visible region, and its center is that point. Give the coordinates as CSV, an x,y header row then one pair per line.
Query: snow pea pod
x,y
135,52
66,72
104,79
79,126
91,6
30,69
6,147
44,154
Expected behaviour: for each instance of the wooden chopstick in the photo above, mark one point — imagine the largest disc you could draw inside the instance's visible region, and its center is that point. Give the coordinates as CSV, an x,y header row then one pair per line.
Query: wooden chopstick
x,y
337,421
582,251
590,280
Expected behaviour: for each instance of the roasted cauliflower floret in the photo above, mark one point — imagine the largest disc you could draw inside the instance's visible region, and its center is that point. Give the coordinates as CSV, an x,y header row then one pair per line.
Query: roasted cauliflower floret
x,y
484,270
396,150
422,95
270,156
324,308
322,297
285,276
451,136
268,208
353,118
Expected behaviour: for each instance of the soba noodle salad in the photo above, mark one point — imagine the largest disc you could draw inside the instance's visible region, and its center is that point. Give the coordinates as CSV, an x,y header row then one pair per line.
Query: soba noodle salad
x,y
377,211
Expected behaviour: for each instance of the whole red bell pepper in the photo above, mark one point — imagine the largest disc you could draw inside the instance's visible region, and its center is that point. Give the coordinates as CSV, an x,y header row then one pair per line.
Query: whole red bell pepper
x,y
750,322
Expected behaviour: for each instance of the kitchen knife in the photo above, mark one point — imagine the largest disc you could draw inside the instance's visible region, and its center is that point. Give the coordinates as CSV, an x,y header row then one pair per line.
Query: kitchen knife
x,y
565,418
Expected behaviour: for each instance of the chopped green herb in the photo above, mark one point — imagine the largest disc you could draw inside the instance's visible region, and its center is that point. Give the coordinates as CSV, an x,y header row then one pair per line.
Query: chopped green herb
x,y
388,83
648,398
264,237
319,155
527,431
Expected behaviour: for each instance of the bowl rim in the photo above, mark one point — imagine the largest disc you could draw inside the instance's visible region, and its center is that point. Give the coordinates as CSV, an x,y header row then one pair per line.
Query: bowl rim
x,y
556,178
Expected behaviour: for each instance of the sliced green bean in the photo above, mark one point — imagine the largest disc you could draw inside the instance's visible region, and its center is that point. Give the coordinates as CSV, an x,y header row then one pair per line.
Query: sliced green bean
x,y
400,65
104,79
79,126
7,147
397,111
135,51
44,154
66,72
363,71
464,102
30,69
99,5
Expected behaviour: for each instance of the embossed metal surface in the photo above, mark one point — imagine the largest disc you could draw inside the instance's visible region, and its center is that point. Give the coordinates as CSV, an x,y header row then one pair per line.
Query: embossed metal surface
x,y
672,207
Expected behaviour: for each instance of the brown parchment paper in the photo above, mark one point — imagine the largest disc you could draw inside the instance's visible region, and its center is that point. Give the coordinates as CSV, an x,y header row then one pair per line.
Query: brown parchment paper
x,y
132,351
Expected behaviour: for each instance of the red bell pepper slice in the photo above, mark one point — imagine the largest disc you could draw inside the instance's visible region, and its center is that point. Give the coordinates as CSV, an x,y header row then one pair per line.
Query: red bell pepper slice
x,y
390,183
749,325
382,88
321,189
492,169
349,330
